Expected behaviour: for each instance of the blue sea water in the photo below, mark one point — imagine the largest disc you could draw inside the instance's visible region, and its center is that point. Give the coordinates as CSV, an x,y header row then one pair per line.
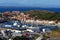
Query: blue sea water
x,y
3,9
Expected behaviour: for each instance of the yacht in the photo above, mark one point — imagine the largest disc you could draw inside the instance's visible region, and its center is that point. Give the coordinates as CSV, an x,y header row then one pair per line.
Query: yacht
x,y
16,24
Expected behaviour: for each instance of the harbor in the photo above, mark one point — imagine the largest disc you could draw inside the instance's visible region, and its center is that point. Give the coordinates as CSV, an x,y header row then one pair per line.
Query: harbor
x,y
19,24
18,28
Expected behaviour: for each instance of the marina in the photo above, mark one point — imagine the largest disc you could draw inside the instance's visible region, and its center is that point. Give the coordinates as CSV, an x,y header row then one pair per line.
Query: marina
x,y
21,25
18,28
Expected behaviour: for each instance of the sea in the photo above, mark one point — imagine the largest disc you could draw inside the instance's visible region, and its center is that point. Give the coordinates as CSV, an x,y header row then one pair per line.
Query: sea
x,y
3,9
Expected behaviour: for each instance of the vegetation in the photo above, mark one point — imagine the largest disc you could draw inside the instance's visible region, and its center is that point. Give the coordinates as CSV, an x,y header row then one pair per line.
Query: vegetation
x,y
20,38
54,33
47,15
36,14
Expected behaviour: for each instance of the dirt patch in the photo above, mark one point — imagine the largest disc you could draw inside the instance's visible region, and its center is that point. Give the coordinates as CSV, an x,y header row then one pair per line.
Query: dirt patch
x,y
54,33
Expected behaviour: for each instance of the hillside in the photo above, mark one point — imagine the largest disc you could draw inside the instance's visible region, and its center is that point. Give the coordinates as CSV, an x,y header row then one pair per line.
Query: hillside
x,y
43,14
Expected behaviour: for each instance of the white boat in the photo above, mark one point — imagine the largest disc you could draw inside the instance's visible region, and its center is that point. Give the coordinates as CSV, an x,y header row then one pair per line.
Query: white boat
x,y
8,25
33,27
30,30
16,24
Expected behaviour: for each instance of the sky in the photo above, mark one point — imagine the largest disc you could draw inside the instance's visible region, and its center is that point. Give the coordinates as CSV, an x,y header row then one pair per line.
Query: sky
x,y
31,3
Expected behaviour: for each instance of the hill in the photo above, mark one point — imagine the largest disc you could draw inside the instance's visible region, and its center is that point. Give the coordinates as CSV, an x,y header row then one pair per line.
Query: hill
x,y
43,14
